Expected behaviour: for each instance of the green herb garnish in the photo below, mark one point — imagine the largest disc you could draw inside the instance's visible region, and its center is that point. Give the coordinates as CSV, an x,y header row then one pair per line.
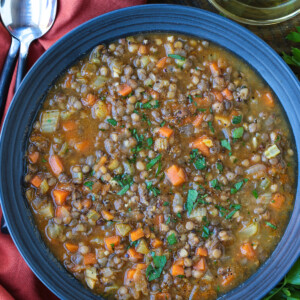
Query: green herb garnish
x,y
237,119
172,239
152,189
271,225
154,271
89,184
255,194
215,184
112,122
211,127
191,200
238,132
226,144
153,162
219,167
175,56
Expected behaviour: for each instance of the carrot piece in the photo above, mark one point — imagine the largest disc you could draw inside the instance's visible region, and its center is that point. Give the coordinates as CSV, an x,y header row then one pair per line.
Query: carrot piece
x,y
268,99
129,276
201,144
177,270
71,247
156,243
277,201
89,259
107,215
33,157
201,251
176,175
133,254
166,131
198,120
247,250
89,100
69,125
111,242
143,49
56,164
179,262
158,219
136,234
227,94
82,146
161,63
125,90
200,265
62,211
227,279
214,69
161,296
218,96
36,181
60,196
141,266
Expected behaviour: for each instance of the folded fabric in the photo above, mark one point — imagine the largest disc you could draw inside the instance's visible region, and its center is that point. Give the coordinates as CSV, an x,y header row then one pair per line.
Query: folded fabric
x,y
16,279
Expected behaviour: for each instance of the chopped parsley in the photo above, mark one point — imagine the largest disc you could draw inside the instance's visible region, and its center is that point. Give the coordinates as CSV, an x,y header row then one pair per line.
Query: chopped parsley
x,y
152,189
153,162
176,56
198,160
125,181
166,203
191,200
271,225
226,144
237,119
238,132
149,142
215,184
154,271
255,194
44,160
236,207
219,167
89,184
162,123
205,232
112,122
211,127
238,186
172,239
147,105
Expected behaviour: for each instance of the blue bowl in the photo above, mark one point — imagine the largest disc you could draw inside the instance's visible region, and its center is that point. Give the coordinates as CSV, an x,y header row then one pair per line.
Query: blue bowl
x,y
121,23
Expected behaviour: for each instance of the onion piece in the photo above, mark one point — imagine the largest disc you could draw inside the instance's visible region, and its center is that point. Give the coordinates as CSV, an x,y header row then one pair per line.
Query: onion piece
x,y
257,171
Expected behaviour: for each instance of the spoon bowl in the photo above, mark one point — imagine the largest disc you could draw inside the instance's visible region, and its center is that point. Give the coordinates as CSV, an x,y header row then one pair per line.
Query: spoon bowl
x,y
27,20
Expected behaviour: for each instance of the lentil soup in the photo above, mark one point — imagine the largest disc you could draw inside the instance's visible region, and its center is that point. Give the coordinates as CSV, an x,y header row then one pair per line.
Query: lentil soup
x,y
160,167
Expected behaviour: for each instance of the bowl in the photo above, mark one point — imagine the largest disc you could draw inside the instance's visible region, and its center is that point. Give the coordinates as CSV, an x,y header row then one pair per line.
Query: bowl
x,y
121,23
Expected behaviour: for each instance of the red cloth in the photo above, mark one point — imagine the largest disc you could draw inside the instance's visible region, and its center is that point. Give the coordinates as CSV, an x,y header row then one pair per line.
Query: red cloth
x,y
16,279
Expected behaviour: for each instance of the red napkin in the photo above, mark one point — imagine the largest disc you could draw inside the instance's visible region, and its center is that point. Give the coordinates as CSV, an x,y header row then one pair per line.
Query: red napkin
x,y
16,279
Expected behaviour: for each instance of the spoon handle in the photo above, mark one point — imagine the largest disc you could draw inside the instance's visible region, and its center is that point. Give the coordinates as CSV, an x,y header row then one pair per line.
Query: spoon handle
x,y
7,72
21,63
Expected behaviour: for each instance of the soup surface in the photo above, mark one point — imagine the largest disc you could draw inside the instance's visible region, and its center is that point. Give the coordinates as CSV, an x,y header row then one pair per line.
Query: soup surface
x,y
160,167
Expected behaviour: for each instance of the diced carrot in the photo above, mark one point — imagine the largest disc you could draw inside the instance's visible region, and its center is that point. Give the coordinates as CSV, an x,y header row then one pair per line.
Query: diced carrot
x,y
143,49
62,211
136,234
56,164
177,270
179,262
33,157
68,81
69,125
158,219
277,201
247,250
100,163
71,247
268,99
201,144
36,181
111,242
161,296
218,96
227,94
198,120
156,243
60,196
133,254
215,70
125,90
141,266
200,265
176,175
87,203
129,276
82,146
90,100
89,259
107,215
201,251
165,131
227,279
161,63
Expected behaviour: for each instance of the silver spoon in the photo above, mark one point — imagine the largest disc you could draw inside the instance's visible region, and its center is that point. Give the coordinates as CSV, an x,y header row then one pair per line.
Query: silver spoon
x,y
27,20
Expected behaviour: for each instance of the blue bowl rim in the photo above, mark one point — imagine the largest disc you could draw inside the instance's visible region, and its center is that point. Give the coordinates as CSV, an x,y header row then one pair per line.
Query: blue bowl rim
x,y
159,17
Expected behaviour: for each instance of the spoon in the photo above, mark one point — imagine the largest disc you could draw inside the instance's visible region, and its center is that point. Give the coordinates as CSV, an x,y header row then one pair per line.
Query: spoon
x,y
27,20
